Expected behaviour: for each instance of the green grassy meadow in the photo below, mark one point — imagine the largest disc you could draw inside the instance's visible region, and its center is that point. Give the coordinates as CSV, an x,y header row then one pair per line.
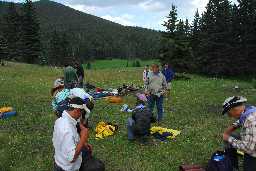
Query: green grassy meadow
x,y
26,140
118,63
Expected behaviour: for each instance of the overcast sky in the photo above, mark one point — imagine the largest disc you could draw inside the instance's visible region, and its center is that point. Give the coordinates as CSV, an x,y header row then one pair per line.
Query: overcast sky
x,y
144,13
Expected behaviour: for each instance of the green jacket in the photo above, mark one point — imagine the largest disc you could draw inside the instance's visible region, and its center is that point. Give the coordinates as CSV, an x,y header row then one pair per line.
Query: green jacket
x,y
70,78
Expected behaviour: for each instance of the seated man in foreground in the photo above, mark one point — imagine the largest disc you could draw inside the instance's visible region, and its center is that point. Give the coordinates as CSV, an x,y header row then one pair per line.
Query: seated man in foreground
x,y
68,144
235,107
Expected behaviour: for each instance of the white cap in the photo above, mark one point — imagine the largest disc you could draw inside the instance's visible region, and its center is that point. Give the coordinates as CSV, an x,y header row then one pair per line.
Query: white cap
x,y
79,92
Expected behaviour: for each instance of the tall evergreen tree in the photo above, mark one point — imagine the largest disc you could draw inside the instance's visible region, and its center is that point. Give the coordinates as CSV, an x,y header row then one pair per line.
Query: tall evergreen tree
x,y
247,18
215,44
30,33
195,31
175,43
3,49
172,19
11,31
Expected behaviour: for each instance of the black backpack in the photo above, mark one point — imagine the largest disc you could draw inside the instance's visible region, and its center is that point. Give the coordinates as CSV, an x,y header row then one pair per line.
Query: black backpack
x,y
92,164
142,118
220,161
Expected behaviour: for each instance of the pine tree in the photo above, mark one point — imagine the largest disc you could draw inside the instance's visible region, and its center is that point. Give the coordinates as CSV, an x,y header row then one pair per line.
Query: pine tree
x,y
247,20
55,50
170,24
3,49
195,31
215,43
66,50
175,43
187,28
11,31
30,34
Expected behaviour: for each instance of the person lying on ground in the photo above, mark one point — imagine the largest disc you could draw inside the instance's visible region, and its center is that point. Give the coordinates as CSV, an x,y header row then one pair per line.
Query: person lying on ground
x,y
68,144
139,124
156,86
235,107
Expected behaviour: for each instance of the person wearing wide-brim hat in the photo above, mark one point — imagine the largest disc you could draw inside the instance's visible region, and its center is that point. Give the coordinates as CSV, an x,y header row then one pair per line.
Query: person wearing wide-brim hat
x,y
236,108
58,85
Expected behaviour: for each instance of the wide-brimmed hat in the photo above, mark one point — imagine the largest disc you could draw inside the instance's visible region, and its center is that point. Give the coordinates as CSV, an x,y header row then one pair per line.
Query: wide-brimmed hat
x,y
232,102
58,83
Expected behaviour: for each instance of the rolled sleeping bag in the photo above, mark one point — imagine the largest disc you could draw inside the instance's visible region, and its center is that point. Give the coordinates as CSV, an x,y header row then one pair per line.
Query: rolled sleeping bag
x,y
8,114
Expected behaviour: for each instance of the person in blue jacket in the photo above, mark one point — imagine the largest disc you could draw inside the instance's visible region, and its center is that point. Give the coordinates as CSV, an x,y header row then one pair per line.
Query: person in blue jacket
x,y
169,76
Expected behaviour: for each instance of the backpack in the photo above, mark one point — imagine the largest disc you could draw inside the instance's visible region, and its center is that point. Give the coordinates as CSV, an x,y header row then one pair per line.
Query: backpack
x,y
63,105
142,118
220,161
92,164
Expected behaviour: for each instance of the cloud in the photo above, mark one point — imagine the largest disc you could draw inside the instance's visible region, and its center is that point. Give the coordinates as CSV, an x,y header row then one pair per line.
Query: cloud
x,y
106,3
125,19
199,4
153,6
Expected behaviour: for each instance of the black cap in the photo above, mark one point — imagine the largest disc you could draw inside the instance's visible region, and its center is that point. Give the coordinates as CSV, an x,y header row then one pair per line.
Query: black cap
x,y
232,102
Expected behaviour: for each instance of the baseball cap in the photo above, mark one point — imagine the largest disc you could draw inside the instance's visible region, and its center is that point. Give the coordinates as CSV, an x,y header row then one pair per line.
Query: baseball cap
x,y
79,103
231,102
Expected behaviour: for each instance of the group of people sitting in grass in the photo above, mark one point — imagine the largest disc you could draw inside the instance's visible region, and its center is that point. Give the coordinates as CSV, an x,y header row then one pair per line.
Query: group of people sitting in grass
x,y
73,106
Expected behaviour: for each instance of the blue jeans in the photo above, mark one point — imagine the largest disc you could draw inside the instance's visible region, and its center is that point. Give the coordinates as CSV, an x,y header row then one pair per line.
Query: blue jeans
x,y
130,123
152,99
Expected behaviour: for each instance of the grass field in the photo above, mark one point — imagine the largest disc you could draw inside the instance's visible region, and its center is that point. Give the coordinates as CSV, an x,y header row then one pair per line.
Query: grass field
x,y
26,140
118,63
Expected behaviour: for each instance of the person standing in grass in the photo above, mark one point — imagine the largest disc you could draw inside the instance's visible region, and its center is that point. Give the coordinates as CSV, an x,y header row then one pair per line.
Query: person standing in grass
x,y
235,107
70,147
155,89
169,75
80,73
145,73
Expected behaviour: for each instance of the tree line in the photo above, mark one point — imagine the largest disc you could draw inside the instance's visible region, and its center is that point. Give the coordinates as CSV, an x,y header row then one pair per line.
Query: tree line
x,y
20,34
220,41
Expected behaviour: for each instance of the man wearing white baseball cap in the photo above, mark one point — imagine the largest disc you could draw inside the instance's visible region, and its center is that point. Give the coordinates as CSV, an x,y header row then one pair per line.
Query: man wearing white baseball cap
x,y
68,144
235,107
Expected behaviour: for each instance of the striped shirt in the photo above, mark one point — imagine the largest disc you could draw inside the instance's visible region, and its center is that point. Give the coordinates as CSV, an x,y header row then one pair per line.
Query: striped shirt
x,y
248,136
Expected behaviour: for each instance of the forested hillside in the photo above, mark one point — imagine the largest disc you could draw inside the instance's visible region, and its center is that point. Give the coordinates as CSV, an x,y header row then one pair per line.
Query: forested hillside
x,y
86,36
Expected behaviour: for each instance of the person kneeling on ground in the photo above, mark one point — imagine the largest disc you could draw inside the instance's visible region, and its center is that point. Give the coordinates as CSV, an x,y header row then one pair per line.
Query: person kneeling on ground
x,y
139,124
235,107
70,147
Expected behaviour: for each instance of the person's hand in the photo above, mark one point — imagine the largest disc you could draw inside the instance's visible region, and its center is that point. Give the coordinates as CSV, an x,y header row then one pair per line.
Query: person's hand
x,y
226,136
88,146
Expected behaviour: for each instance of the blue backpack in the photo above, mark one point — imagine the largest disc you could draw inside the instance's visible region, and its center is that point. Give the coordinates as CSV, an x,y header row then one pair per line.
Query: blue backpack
x,y
220,161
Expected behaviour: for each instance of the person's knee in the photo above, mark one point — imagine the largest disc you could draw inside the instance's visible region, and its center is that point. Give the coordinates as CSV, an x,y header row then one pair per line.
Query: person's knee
x,y
130,122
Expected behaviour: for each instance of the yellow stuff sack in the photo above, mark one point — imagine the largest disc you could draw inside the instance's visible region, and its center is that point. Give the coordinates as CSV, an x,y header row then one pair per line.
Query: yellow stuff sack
x,y
104,130
160,130
5,109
